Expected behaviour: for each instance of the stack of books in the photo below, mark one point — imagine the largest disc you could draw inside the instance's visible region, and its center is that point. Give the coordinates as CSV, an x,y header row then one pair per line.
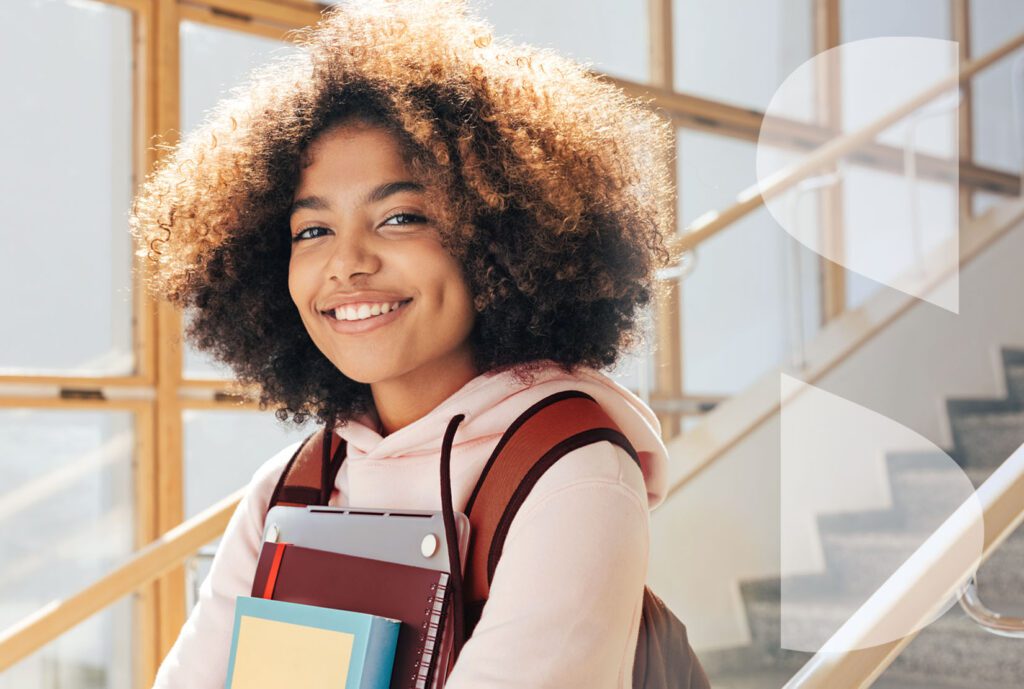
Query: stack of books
x,y
319,619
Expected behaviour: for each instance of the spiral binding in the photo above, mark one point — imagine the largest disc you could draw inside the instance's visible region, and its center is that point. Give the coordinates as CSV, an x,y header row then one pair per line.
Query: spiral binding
x,y
431,630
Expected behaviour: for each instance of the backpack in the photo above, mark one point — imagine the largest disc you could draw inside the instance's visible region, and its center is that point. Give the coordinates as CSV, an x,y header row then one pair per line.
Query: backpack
x,y
533,442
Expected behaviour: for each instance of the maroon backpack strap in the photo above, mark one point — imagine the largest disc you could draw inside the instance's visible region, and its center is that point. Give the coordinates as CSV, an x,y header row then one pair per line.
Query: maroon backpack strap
x,y
539,437
309,476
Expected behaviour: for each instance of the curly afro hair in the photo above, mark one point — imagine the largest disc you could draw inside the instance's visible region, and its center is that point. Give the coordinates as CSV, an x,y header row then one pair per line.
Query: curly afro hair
x,y
553,191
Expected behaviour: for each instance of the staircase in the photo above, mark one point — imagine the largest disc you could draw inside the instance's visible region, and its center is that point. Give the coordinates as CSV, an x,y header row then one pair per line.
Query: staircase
x,y
951,653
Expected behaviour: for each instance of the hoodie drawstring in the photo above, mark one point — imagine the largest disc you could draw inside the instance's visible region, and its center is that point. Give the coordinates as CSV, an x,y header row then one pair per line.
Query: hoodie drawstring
x,y
451,536
326,484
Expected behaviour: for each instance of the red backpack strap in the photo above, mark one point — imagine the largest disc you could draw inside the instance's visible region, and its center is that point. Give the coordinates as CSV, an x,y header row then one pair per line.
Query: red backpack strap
x,y
309,476
541,435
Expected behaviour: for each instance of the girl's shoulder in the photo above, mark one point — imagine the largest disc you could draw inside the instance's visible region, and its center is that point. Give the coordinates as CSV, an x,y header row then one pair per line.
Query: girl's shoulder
x,y
598,462
600,470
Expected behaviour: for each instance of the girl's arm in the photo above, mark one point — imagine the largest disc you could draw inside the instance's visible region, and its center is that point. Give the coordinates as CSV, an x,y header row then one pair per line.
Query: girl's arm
x,y
564,605
199,657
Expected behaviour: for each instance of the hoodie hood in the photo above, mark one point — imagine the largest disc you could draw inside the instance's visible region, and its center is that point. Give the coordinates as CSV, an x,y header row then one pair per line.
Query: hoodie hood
x,y
492,401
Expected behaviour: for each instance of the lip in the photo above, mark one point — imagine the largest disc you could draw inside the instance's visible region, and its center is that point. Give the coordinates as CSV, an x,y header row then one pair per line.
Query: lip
x,y
361,298
359,327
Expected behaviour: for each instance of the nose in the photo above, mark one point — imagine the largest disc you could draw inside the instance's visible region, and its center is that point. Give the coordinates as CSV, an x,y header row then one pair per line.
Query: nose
x,y
353,254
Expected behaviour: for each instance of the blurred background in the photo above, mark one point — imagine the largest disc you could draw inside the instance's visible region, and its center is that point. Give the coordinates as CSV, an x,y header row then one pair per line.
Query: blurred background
x,y
113,431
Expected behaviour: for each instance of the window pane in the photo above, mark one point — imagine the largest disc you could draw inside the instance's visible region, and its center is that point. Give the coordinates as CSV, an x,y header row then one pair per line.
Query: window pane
x,y
223,449
741,51
984,200
878,219
66,171
860,19
96,654
871,88
998,131
739,283
610,35
213,60
635,371
69,485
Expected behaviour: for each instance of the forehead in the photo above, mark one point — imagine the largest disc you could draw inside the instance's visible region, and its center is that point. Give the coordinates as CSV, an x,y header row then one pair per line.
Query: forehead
x,y
355,151
354,164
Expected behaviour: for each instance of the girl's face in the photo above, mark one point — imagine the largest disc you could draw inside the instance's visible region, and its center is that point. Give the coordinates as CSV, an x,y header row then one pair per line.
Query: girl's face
x,y
362,239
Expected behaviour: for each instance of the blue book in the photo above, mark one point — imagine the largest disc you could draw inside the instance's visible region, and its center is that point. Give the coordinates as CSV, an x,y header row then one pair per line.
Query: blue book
x,y
277,645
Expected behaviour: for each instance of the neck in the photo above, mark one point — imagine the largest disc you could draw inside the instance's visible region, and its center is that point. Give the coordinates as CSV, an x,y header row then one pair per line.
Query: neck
x,y
402,400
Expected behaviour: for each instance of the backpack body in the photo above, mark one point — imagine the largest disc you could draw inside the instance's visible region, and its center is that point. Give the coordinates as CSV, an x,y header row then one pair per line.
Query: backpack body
x,y
541,435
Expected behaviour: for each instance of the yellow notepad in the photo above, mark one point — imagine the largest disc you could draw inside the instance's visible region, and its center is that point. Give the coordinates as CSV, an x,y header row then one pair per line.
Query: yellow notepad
x,y
278,645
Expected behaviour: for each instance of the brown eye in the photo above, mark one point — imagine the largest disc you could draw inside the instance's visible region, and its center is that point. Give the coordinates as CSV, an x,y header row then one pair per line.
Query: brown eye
x,y
412,219
299,235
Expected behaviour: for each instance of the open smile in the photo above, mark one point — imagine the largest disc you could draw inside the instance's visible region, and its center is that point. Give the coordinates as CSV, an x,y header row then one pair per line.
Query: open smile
x,y
366,324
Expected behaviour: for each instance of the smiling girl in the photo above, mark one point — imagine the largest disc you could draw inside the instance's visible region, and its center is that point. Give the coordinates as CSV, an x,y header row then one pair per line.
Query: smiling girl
x,y
375,289
408,223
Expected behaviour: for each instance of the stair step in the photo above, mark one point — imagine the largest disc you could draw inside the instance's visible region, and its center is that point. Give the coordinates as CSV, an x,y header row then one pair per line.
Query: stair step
x,y
924,494
1013,364
925,497
952,647
986,432
860,563
772,677
1015,382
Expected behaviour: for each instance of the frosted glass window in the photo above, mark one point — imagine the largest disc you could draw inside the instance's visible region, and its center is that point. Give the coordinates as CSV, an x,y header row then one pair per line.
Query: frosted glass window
x,y
860,19
738,318
213,60
223,449
868,93
741,51
998,131
877,217
66,171
67,509
983,201
635,371
608,35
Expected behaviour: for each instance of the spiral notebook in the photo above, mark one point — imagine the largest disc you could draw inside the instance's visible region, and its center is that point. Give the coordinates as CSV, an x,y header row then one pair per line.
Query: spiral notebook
x,y
416,596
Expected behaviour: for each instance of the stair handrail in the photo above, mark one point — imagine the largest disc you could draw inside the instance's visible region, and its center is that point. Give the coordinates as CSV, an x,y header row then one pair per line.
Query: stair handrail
x,y
144,566
989,620
920,588
750,199
936,107
1017,110
794,270
176,545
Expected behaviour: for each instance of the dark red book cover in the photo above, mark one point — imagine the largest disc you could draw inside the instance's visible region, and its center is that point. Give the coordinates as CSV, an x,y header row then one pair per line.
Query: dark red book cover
x,y
414,595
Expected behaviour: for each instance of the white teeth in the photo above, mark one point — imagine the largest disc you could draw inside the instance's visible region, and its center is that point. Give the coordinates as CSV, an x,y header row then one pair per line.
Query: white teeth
x,y
364,311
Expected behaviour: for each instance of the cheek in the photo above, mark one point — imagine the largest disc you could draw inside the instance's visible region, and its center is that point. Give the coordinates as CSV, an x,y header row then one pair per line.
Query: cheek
x,y
295,283
458,295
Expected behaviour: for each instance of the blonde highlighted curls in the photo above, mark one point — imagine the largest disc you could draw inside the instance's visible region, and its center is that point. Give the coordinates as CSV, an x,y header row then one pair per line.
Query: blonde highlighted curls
x,y
550,186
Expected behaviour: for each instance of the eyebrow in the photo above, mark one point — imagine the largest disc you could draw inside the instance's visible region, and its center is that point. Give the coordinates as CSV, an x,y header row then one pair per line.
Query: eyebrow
x,y
376,195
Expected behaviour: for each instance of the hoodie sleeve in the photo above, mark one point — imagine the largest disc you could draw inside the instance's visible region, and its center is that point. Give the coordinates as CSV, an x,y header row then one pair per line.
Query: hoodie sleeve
x,y
564,606
199,657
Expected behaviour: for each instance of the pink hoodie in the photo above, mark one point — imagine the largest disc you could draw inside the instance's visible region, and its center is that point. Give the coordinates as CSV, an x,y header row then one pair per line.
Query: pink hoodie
x,y
565,602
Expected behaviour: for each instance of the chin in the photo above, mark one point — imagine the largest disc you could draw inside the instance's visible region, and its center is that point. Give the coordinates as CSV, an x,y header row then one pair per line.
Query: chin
x,y
367,373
